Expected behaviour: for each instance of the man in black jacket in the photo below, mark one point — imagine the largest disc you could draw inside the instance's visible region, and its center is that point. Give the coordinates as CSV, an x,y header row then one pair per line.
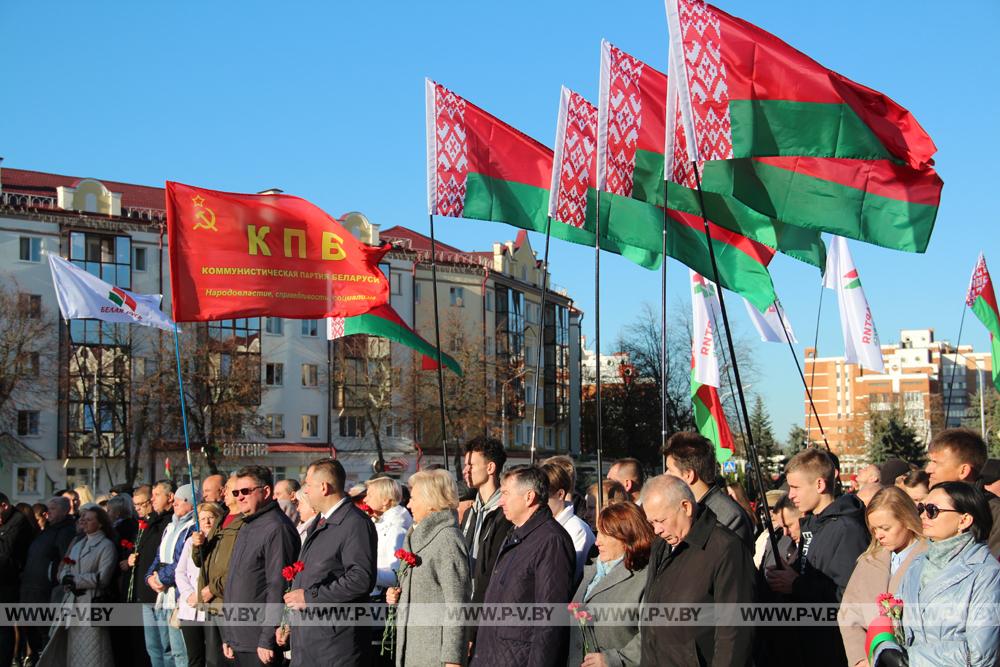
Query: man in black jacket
x,y
536,565
147,545
833,535
691,457
484,524
15,538
265,545
338,555
697,560
38,580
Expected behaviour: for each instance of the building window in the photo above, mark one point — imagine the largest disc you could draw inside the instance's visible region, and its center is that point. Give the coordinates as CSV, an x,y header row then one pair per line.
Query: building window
x,y
352,426
524,274
310,375
27,422
275,426
489,301
274,374
390,427
555,337
457,296
310,426
31,249
29,305
395,280
310,328
274,326
107,257
29,481
139,259
81,477
416,291
30,364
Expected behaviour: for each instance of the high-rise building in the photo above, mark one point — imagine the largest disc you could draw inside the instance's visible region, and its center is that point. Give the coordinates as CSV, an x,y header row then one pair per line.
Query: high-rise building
x,y
931,382
98,398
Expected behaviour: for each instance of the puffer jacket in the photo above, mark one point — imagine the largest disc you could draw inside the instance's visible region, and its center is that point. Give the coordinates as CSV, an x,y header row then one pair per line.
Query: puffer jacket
x,y
970,636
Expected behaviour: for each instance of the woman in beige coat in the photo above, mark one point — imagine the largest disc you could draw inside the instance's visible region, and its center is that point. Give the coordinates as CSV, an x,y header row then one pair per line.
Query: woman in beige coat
x,y
896,540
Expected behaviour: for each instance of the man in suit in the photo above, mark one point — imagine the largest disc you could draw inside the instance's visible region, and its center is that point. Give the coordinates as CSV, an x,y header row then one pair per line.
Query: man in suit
x,y
339,558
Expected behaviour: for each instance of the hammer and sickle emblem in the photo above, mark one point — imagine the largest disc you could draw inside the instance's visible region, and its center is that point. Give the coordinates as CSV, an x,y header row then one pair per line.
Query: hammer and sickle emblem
x,y
205,215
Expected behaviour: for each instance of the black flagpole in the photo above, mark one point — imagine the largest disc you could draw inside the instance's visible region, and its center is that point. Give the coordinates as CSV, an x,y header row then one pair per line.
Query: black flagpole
x,y
541,337
798,366
663,334
812,371
751,446
954,368
597,350
437,341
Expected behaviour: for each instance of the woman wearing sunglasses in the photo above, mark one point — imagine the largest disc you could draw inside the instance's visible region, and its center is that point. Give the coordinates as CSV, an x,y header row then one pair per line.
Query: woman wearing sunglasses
x,y
896,542
951,593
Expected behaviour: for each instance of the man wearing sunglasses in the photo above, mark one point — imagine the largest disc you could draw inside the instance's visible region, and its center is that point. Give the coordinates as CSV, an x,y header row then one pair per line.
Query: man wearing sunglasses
x,y
266,544
959,455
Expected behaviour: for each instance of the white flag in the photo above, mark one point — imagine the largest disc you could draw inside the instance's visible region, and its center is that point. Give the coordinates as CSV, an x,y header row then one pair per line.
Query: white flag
x,y
82,296
772,325
861,344
704,302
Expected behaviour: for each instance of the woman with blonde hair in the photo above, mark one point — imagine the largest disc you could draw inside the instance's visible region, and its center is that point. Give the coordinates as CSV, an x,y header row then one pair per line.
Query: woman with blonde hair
x,y
439,574
391,523
896,541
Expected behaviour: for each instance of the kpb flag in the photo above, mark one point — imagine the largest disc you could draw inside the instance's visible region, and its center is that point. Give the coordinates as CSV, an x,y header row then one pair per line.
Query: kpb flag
x,y
772,325
238,255
861,345
85,296
983,301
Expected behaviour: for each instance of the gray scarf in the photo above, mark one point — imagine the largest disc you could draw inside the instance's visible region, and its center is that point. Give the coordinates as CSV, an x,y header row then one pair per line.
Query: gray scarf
x,y
939,554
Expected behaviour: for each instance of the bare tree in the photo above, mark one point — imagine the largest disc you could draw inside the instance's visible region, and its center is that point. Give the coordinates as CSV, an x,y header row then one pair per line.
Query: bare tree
x,y
28,358
364,370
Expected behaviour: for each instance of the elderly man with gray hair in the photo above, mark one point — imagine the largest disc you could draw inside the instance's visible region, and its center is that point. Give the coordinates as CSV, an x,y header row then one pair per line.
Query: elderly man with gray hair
x,y
696,560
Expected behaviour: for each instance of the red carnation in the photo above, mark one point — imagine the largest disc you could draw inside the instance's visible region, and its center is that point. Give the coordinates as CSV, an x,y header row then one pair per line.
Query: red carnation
x,y
143,525
68,561
288,572
407,557
298,566
128,546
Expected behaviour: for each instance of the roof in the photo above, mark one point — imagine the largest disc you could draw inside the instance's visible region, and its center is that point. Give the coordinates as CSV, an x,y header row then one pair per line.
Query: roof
x,y
24,181
418,241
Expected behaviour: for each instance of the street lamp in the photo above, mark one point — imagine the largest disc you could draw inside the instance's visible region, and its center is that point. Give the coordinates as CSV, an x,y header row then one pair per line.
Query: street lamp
x,y
503,404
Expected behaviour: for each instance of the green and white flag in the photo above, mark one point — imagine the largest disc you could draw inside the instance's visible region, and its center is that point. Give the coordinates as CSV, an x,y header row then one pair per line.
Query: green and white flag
x,y
861,344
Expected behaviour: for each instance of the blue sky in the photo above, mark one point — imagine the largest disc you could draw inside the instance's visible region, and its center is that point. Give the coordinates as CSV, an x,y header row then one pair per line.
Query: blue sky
x,y
325,100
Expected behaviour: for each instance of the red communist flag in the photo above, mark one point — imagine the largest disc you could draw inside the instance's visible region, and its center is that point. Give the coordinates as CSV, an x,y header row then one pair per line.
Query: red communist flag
x,y
239,255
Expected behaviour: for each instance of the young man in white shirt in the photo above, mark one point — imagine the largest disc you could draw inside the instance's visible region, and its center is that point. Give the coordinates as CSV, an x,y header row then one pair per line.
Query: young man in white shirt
x,y
560,492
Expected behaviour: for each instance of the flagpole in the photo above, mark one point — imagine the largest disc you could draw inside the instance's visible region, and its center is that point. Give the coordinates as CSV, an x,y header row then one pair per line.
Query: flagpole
x,y
798,366
751,446
954,368
597,349
437,342
663,334
541,337
812,371
187,442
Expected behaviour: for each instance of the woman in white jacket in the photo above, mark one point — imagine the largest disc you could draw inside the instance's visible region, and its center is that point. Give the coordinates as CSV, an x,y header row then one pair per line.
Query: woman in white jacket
x,y
188,595
392,520
86,574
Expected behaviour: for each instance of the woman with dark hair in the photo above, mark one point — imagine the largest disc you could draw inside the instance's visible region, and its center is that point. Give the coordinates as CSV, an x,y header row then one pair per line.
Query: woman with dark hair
x,y
739,494
950,593
616,577
916,484
85,574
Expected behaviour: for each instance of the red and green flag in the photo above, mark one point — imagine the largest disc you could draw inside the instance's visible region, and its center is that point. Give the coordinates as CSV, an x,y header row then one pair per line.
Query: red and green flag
x,y
709,415
983,301
793,140
384,322
481,168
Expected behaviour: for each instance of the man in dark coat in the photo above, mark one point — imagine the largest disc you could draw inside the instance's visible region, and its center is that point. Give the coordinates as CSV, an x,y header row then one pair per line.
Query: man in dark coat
x,y
484,525
265,545
833,534
691,457
156,636
15,538
696,561
339,559
536,565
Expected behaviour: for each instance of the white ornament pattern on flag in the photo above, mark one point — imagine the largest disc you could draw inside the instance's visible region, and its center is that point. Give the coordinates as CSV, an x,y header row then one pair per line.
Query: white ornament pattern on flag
x,y
452,159
681,169
624,121
980,279
701,34
579,161
337,327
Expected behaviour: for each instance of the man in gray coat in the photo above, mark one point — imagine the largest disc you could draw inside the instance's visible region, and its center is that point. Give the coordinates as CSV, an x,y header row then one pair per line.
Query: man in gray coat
x,y
266,544
339,559
691,457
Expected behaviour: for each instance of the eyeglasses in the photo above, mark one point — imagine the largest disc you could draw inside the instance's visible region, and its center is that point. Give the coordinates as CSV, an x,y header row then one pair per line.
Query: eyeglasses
x,y
245,492
933,510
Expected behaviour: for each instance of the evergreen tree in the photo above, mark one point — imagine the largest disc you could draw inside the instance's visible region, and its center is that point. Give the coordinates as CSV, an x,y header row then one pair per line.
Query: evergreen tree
x,y
798,439
763,434
892,437
991,411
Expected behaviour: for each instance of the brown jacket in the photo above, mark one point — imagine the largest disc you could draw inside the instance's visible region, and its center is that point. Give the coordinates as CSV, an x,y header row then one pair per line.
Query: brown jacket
x,y
213,559
869,580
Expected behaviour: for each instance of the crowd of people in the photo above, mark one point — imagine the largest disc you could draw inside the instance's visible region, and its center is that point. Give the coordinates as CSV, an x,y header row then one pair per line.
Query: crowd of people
x,y
515,536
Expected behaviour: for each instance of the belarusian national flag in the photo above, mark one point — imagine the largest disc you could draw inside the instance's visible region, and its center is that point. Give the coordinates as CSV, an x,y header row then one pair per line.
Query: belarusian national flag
x,y
709,415
746,93
481,168
861,344
983,301
385,322
772,325
168,470
82,295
